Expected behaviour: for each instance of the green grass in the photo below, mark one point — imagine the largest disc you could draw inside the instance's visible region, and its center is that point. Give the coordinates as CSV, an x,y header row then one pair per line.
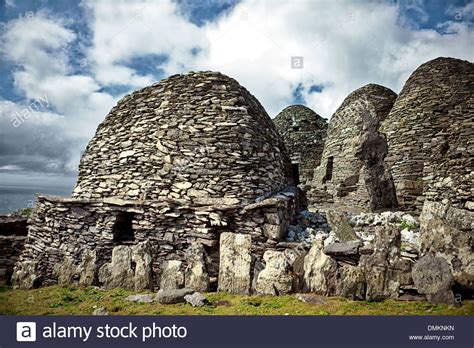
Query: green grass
x,y
67,300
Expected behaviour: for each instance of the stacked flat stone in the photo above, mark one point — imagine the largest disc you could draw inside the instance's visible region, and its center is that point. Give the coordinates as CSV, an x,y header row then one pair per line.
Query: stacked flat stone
x,y
429,132
173,166
194,135
13,231
303,132
352,170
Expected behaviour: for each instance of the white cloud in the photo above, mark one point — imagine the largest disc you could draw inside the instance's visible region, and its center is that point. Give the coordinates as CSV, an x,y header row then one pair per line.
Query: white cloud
x,y
38,46
125,30
345,45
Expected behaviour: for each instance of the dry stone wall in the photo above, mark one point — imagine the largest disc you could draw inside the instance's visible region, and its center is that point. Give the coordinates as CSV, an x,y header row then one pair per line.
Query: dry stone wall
x,y
194,135
70,228
352,169
304,133
13,231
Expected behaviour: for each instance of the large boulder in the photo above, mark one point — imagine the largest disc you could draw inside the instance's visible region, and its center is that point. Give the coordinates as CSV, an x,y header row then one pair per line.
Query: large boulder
x,y
347,252
432,276
172,296
235,263
448,232
118,272
320,271
66,271
350,282
141,255
275,279
195,274
172,276
385,271
87,269
196,300
340,226
26,275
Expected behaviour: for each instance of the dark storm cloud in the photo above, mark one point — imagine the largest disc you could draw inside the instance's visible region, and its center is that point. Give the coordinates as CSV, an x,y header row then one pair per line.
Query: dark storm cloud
x,y
37,144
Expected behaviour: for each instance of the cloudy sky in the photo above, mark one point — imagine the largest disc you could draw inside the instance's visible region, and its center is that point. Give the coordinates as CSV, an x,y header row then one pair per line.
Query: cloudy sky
x,y
64,64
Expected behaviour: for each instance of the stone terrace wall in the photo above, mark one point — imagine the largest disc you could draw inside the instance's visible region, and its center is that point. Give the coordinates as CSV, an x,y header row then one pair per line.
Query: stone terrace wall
x,y
65,228
304,133
194,135
430,135
352,169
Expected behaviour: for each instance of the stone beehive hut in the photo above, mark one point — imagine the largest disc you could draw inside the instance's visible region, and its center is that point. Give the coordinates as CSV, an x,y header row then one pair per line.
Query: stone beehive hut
x,y
188,136
352,170
303,132
171,168
429,133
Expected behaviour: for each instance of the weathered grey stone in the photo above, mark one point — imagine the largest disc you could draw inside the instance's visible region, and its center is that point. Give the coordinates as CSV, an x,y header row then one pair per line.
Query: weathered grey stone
x,y
195,274
141,255
235,263
100,311
25,275
140,298
172,296
66,271
449,238
275,232
118,273
432,277
196,299
343,249
87,269
172,276
310,298
320,271
350,282
275,278
384,270
340,226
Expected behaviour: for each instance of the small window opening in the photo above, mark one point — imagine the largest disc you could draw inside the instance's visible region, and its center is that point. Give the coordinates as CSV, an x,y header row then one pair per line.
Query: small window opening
x,y
123,228
329,169
295,170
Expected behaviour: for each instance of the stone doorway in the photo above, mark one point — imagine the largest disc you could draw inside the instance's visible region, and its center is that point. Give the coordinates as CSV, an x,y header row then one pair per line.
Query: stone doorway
x,y
123,228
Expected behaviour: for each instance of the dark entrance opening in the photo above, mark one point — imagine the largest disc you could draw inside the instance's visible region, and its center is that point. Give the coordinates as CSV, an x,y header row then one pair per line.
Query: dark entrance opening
x,y
329,168
295,171
123,228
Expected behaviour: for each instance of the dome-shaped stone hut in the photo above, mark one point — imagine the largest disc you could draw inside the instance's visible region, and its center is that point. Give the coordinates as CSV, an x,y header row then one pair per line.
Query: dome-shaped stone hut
x,y
430,132
172,168
303,132
352,170
195,135
430,117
